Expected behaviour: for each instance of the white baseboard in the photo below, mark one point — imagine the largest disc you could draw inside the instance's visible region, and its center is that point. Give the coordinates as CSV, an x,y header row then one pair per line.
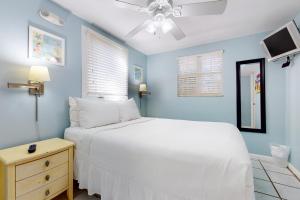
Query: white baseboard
x,y
294,170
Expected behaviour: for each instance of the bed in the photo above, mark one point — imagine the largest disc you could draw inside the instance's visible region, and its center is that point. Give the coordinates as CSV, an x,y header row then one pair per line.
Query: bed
x,y
163,159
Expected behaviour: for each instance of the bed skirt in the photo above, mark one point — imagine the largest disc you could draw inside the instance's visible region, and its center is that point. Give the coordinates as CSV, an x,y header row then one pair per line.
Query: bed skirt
x,y
112,186
115,187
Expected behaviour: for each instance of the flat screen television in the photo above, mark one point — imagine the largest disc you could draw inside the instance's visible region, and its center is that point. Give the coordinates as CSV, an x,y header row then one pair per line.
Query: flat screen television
x,y
282,42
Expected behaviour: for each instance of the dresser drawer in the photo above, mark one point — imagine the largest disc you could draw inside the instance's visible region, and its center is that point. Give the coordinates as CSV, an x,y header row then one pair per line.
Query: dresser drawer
x,y
29,169
48,191
32,183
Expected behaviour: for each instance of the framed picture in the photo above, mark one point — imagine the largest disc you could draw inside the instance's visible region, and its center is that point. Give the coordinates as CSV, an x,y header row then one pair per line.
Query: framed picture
x,y
138,74
45,47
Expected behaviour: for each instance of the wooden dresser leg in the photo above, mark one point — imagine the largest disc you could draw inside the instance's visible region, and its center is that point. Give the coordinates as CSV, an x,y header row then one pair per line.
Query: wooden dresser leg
x,y
11,182
70,190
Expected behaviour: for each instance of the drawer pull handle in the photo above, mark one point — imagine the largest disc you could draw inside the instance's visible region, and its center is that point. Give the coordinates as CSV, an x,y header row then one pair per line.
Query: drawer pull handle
x,y
47,192
47,163
47,178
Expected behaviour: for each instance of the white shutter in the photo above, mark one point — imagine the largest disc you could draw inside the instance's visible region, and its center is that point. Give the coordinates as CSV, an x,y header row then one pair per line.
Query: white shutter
x,y
105,67
200,75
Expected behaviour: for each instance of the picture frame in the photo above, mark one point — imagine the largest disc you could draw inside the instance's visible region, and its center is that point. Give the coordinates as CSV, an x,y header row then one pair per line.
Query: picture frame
x,y
45,47
138,74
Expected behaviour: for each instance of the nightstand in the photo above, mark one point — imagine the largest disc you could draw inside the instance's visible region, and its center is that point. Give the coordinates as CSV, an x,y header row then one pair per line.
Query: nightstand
x,y
41,175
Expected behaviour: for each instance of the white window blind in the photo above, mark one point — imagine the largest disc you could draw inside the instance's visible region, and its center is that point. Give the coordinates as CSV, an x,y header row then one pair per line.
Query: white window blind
x,y
105,67
200,75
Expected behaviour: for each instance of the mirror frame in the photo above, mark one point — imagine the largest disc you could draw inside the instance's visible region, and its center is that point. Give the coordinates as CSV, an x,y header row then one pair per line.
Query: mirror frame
x,y
261,61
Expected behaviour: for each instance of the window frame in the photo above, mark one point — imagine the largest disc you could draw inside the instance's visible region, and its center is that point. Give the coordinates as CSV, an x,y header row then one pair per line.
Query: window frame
x,y
84,44
201,94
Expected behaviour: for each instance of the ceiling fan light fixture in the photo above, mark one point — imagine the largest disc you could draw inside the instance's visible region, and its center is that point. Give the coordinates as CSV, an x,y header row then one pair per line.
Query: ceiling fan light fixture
x,y
177,12
162,13
160,3
159,18
151,28
166,27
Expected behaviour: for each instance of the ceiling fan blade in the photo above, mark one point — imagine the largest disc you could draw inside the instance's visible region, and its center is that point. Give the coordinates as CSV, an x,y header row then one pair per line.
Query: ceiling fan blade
x,y
131,4
175,30
204,8
183,2
138,29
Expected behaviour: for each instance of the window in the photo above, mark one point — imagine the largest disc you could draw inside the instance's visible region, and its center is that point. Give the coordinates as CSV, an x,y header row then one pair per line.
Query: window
x,y
200,75
105,67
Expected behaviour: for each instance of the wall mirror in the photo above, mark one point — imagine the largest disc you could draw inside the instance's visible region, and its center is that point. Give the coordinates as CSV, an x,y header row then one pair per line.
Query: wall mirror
x,y
251,108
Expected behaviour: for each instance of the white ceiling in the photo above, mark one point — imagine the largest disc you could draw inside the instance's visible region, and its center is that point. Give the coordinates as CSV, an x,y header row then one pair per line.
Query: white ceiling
x,y
241,17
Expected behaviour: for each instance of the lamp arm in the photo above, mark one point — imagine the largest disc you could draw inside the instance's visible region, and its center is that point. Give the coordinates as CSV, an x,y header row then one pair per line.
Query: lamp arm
x,y
23,85
144,93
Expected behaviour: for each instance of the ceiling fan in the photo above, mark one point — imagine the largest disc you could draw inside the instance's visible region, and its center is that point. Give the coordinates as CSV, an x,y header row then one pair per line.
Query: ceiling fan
x,y
164,13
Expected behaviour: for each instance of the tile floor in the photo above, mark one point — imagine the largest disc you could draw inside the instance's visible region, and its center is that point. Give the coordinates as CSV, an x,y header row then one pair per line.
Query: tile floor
x,y
270,183
274,183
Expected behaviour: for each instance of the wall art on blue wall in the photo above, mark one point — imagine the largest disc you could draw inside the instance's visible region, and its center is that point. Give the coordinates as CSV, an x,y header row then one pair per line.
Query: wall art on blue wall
x,y
45,47
138,74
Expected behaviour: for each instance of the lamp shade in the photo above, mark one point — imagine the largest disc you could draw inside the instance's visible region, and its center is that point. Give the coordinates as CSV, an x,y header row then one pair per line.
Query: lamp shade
x,y
143,87
39,74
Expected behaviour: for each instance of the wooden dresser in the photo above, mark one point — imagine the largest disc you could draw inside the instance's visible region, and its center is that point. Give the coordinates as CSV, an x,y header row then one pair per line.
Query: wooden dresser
x,y
38,176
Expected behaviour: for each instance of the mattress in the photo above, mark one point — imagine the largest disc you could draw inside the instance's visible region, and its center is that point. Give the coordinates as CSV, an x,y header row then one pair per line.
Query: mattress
x,y
163,159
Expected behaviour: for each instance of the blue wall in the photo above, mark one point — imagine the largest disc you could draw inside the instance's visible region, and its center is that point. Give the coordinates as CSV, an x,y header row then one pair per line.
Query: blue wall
x,y
293,108
17,119
162,80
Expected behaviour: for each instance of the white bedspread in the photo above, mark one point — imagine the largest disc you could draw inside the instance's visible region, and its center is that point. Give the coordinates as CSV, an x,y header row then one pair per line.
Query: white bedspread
x,y
163,159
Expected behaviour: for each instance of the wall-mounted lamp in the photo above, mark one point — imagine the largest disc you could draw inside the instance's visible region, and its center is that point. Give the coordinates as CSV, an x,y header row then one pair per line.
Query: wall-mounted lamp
x,y
38,75
143,91
51,17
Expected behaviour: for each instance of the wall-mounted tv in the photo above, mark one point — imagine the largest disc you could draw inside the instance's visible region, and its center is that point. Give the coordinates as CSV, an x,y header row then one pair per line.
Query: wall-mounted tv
x,y
282,42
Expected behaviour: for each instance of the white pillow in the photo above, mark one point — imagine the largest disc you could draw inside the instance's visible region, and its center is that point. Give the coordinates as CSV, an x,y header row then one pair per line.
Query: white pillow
x,y
128,110
74,109
97,113
74,112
